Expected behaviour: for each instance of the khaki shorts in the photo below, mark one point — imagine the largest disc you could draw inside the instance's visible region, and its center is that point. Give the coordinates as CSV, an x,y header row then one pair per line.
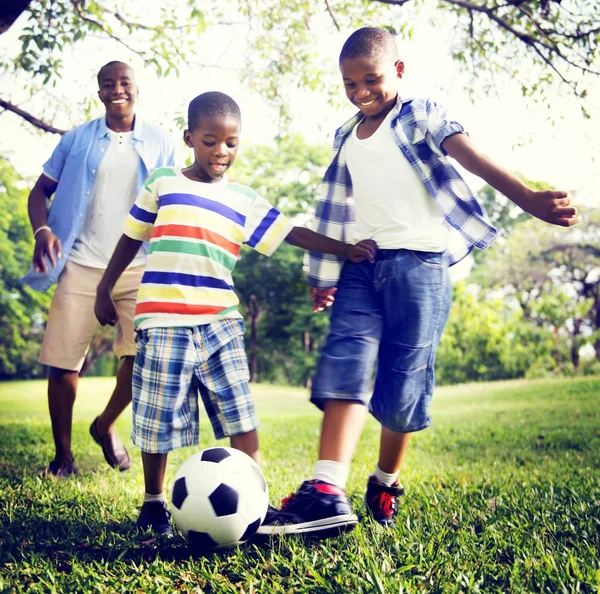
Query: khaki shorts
x,y
71,320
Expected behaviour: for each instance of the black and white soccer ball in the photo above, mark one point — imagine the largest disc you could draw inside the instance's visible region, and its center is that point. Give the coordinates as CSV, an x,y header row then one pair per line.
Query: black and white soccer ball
x,y
219,498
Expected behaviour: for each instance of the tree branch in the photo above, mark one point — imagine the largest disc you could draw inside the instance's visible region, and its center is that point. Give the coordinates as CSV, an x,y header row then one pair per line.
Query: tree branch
x,y
31,119
328,8
78,5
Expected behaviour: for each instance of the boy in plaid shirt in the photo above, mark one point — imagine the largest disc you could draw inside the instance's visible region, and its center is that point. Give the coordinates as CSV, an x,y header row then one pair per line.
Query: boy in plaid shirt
x,y
189,330
389,180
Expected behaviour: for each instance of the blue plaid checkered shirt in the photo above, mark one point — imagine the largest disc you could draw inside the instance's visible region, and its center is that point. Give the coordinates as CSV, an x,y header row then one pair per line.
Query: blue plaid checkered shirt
x,y
419,127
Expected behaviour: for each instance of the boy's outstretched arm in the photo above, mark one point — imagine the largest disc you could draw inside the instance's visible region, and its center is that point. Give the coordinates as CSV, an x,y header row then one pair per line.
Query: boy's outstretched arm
x,y
124,253
548,205
315,242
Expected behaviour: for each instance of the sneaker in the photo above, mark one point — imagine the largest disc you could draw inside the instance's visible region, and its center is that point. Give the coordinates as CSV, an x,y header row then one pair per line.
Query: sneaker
x,y
155,517
60,470
382,501
316,507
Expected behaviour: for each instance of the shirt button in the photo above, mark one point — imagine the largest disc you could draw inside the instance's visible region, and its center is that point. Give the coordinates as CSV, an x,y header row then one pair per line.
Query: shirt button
x,y
87,193
101,150
93,171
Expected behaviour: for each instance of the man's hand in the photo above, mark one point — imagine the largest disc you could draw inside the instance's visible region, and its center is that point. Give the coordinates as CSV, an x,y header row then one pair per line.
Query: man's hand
x,y
104,308
551,206
46,244
363,250
322,298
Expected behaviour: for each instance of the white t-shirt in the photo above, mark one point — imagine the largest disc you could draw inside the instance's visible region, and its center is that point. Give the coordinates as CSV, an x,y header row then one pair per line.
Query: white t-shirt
x,y
392,206
112,198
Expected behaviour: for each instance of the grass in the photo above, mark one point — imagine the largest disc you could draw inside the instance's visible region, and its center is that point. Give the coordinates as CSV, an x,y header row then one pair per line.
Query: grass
x,y
503,495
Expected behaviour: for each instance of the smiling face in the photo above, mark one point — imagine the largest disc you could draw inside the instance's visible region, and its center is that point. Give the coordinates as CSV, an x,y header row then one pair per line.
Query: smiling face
x,y
215,142
371,84
117,90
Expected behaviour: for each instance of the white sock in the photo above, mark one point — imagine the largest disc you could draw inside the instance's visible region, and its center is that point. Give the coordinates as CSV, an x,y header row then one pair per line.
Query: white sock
x,y
334,473
155,497
385,478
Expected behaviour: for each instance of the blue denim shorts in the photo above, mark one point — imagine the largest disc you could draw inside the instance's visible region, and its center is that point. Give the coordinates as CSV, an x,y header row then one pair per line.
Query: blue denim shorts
x,y
176,367
389,315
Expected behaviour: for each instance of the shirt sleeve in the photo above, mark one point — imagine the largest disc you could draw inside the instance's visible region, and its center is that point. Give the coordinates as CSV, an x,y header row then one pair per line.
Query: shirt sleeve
x,y
265,227
54,166
440,126
140,220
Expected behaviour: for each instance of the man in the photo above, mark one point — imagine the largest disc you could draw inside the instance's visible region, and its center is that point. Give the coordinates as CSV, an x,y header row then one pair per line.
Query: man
x,y
94,173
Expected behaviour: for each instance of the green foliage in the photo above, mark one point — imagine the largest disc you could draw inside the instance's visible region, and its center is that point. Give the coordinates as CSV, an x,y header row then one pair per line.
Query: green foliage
x,y
273,289
501,496
486,340
22,310
552,273
534,43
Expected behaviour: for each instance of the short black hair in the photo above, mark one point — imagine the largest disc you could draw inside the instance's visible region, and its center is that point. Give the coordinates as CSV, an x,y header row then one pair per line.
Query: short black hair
x,y
113,63
212,105
371,42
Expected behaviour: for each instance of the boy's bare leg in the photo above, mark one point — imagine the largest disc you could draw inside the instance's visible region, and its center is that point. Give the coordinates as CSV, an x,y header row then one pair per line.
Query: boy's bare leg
x,y
62,390
342,426
247,443
155,467
119,400
392,448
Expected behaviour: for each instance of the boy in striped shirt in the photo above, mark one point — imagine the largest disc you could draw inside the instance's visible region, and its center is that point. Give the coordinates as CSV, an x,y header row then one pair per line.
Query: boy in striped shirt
x,y
189,330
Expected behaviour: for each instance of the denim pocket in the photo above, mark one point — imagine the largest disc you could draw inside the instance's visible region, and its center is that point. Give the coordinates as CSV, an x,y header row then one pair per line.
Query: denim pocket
x,y
431,259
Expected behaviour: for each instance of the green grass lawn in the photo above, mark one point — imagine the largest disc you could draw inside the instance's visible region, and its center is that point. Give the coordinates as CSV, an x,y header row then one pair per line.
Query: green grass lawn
x,y
502,495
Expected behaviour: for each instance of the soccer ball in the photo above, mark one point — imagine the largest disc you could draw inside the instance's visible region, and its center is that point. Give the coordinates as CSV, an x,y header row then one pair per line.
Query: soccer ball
x,y
219,498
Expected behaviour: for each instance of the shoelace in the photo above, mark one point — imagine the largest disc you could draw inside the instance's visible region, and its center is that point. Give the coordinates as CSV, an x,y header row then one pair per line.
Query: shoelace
x,y
385,502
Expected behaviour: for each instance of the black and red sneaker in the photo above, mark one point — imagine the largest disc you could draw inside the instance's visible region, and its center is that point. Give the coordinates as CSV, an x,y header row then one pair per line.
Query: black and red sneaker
x,y
316,507
381,501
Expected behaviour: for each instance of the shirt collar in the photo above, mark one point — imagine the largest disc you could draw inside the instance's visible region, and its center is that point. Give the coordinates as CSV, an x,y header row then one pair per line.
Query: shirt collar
x,y
346,128
138,128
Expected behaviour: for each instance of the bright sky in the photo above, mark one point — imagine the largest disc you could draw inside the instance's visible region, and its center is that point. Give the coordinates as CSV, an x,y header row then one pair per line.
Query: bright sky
x,y
559,147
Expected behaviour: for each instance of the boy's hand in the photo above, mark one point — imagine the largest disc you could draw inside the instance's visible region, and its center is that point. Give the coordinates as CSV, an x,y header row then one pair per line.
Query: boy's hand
x,y
551,206
46,244
322,298
363,250
104,308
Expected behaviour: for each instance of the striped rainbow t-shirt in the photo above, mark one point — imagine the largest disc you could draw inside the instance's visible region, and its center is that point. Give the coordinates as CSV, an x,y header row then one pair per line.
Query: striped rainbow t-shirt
x,y
195,231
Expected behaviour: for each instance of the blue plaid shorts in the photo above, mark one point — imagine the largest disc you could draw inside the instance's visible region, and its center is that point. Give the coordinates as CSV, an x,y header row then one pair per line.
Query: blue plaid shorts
x,y
175,365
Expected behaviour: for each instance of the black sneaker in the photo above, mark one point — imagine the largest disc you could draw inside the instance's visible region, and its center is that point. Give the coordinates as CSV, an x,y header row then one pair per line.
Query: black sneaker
x,y
382,501
316,507
155,517
60,470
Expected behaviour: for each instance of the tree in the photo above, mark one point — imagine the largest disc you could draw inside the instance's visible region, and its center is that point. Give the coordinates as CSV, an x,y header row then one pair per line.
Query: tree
x,y
22,310
488,340
554,275
282,332
559,39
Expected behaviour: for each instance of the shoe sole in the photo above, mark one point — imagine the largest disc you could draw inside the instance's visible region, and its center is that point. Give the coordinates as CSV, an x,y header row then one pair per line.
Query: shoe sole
x,y
335,524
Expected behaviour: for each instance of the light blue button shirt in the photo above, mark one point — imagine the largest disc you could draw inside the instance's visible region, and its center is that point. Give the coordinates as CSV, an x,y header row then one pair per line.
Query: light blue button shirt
x,y
74,165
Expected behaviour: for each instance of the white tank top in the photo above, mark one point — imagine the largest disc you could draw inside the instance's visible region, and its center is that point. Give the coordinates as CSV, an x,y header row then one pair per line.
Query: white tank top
x,y
392,205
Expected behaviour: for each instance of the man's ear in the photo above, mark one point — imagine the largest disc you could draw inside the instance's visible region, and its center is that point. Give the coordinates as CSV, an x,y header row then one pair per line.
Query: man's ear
x,y
399,68
187,138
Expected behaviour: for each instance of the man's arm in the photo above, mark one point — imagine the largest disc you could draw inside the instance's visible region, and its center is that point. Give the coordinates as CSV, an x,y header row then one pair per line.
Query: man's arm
x,y
548,205
46,243
124,253
315,242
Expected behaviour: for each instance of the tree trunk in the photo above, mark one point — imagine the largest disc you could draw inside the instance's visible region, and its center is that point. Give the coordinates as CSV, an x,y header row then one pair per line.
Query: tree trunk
x,y
254,312
308,347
